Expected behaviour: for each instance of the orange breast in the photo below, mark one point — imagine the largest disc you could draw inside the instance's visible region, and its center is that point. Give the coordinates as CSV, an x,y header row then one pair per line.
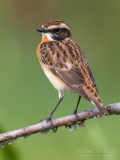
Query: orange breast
x,y
57,83
44,39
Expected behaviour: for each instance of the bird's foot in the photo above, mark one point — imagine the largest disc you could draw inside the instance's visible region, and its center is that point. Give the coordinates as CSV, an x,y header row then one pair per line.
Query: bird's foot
x,y
75,113
82,123
49,120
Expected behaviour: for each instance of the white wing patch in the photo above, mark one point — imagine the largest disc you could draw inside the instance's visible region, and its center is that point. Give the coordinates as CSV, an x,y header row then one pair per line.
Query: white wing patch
x,y
68,65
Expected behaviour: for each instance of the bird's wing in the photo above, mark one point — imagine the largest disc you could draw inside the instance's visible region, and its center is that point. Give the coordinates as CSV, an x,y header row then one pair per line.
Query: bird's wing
x,y
66,60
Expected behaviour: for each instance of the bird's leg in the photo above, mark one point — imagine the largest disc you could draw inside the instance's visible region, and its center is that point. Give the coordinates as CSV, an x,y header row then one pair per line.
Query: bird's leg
x,y
48,119
50,116
75,111
82,123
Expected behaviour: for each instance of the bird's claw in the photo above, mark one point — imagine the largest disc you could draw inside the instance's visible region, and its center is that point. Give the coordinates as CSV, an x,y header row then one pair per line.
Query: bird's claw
x,y
49,120
75,113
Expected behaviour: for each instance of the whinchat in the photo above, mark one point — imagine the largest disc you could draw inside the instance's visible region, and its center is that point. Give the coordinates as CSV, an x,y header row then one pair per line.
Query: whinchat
x,y
65,65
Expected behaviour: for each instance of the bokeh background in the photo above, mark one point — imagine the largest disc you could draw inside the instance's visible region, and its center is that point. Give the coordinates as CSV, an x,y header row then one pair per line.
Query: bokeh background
x,y
26,96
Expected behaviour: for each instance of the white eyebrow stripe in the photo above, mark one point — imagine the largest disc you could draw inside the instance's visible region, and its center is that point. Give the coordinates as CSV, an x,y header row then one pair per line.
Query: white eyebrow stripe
x,y
52,27
62,25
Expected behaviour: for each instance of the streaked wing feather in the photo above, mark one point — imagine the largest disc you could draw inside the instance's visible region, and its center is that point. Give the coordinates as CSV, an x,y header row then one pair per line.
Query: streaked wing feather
x,y
70,77
67,62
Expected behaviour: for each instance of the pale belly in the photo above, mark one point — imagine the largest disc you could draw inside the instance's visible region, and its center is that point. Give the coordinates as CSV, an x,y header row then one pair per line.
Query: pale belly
x,y
56,82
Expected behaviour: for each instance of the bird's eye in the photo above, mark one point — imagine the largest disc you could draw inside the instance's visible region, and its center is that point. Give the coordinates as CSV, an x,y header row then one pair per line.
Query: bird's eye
x,y
56,30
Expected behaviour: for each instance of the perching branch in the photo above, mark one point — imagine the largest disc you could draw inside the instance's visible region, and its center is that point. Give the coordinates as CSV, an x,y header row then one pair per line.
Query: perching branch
x,y
70,121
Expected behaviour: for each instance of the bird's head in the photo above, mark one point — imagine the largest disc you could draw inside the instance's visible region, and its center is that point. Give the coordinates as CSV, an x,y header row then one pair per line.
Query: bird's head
x,y
55,30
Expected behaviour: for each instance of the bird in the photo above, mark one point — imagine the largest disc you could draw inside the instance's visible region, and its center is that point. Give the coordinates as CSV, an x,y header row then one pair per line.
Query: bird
x,y
65,65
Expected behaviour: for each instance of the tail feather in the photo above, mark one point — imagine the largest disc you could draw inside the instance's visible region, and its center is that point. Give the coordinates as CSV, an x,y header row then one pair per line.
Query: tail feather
x,y
93,96
103,111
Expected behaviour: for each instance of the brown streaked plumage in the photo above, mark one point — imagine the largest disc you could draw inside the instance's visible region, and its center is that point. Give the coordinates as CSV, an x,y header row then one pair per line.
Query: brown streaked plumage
x,y
65,65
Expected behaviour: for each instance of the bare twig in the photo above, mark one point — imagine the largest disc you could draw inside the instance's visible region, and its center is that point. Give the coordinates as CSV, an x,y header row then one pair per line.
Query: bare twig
x,y
70,121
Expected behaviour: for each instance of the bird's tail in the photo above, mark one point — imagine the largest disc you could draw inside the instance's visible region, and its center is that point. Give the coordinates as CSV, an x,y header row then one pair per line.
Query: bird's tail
x,y
103,111
93,97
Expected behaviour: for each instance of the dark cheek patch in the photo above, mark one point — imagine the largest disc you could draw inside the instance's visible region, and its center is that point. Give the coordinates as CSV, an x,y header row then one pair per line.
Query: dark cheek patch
x,y
61,35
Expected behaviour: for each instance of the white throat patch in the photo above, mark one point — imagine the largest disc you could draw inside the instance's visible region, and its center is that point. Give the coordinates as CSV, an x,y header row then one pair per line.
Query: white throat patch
x,y
48,35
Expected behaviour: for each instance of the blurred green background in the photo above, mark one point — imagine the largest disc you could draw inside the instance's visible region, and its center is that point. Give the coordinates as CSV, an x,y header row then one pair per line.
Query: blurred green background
x,y
26,96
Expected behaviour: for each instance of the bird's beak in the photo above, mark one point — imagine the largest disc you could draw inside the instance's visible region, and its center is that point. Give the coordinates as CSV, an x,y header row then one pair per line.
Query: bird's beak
x,y
42,30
